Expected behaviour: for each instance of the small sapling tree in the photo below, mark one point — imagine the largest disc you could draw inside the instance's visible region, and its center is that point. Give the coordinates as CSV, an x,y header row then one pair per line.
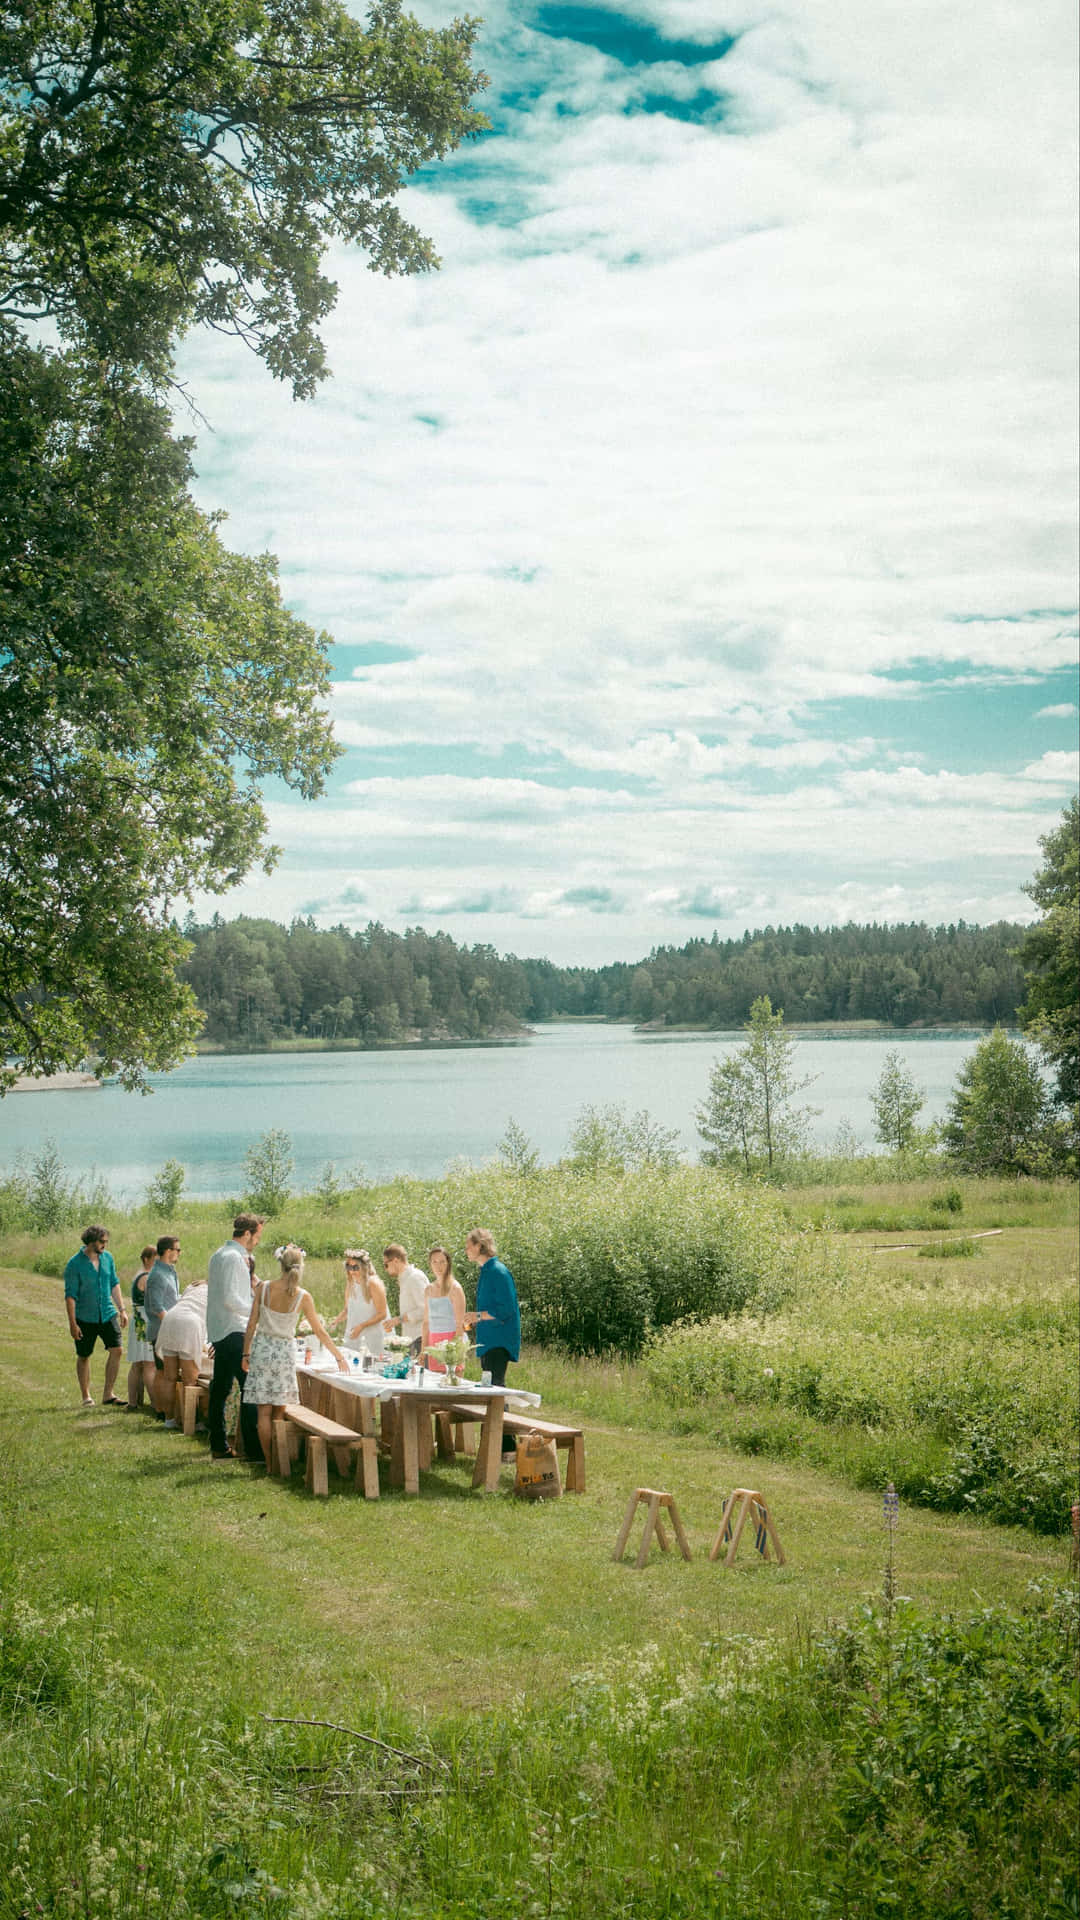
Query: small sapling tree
x,y
748,1112
897,1102
163,1193
268,1170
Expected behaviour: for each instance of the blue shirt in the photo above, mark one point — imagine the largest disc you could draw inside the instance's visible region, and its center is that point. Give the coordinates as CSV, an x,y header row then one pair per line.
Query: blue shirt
x,y
496,1294
91,1287
162,1292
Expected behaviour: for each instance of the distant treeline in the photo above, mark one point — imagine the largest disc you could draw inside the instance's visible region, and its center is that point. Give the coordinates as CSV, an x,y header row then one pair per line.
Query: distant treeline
x,y
257,981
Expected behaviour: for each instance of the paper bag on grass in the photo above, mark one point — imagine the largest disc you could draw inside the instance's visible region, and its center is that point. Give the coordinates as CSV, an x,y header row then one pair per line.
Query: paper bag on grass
x,y
537,1475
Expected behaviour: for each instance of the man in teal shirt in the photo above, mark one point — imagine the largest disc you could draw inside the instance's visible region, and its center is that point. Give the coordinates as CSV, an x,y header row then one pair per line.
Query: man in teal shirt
x,y
95,1311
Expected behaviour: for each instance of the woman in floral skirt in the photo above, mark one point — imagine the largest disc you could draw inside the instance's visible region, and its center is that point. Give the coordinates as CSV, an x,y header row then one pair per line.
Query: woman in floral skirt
x,y
270,1344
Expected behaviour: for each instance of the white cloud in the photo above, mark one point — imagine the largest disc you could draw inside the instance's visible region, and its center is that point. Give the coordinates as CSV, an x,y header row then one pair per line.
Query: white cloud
x,y
1065,711
713,426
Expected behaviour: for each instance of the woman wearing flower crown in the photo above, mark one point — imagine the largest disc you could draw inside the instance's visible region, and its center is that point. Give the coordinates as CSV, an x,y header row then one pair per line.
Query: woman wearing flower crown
x,y
270,1343
365,1313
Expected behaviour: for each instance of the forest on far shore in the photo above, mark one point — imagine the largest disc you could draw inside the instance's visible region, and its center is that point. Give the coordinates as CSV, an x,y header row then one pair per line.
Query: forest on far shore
x,y
258,982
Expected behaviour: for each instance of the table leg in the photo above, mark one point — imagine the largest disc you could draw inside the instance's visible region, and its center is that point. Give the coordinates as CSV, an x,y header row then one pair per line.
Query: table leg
x,y
397,1440
410,1425
489,1453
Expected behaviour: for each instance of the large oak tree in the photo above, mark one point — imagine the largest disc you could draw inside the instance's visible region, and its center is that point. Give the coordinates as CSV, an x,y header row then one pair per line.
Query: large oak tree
x,y
165,164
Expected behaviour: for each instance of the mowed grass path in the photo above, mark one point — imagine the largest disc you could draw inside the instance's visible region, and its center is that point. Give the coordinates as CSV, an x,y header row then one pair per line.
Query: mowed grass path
x,y
452,1600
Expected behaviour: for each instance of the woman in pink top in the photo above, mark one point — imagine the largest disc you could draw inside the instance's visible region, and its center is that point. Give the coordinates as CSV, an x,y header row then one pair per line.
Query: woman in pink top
x,y
443,1287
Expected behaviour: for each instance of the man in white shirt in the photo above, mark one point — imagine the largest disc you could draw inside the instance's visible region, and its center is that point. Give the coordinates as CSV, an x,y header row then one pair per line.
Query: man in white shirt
x,y
412,1287
228,1308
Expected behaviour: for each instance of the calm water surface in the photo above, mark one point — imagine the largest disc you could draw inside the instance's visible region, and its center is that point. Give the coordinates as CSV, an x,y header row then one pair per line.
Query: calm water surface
x,y
404,1112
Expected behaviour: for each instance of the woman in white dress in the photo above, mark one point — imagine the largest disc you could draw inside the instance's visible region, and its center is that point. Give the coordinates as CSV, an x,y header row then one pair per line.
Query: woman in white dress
x,y
141,1368
365,1314
270,1343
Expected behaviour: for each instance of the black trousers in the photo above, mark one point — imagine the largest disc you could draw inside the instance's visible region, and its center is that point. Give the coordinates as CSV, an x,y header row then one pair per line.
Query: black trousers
x,y
495,1360
228,1366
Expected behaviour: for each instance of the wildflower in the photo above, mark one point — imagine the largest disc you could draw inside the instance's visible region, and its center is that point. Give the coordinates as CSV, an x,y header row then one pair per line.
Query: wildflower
x,y
891,1506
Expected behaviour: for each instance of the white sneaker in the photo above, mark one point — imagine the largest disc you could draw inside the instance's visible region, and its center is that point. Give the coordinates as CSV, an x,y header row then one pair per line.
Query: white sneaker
x,y
172,1426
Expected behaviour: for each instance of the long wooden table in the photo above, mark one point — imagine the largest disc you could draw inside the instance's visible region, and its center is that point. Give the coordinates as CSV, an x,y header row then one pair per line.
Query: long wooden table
x,y
350,1398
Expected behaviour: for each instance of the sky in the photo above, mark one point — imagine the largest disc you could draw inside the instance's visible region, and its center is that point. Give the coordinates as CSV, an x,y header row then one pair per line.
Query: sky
x,y
699,543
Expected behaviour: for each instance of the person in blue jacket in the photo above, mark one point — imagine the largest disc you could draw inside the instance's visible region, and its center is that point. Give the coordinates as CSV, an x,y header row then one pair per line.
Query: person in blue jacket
x,y
497,1320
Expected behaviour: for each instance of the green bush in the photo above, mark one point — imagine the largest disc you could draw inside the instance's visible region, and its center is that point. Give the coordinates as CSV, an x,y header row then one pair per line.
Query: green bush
x,y
969,1405
163,1193
268,1170
944,1735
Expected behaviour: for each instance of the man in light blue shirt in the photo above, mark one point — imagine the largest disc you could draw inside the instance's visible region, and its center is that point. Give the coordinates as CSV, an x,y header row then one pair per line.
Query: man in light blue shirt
x,y
95,1311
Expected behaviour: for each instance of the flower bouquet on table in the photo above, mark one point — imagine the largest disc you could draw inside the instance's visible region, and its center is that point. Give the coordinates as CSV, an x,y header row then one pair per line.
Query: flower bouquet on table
x,y
452,1354
398,1357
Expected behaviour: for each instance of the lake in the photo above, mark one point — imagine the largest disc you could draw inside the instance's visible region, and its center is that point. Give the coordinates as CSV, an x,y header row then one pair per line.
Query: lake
x,y
412,1112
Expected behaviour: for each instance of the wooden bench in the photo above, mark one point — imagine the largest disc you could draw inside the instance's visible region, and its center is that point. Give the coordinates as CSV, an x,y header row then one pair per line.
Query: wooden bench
x,y
515,1424
321,1434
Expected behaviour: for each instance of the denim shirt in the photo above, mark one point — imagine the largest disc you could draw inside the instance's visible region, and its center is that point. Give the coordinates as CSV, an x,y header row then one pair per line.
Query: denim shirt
x,y
91,1287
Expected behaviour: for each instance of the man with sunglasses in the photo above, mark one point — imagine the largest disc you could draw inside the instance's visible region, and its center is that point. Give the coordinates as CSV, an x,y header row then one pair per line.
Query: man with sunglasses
x,y
95,1311
162,1292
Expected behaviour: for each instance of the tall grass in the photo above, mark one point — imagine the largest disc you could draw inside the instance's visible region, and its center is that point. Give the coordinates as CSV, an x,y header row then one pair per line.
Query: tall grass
x,y
894,1765
960,1387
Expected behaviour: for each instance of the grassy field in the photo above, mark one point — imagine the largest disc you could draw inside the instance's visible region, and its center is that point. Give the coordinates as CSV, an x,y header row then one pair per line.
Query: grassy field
x,y
560,1735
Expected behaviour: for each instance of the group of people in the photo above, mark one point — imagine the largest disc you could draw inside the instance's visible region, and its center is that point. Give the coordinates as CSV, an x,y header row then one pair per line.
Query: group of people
x,y
249,1325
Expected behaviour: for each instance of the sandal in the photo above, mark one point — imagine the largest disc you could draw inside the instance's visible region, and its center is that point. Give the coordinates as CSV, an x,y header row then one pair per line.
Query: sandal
x,y
87,1402
111,1400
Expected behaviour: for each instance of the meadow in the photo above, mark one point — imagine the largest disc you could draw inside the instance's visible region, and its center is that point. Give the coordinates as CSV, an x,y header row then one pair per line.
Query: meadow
x,y
219,1696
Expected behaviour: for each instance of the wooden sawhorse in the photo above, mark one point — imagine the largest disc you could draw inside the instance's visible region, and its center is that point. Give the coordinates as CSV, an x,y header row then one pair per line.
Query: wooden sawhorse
x,y
653,1501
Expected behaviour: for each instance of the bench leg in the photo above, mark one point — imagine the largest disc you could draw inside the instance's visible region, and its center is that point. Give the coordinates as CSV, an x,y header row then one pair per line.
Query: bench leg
x,y
575,1465
444,1443
283,1449
315,1476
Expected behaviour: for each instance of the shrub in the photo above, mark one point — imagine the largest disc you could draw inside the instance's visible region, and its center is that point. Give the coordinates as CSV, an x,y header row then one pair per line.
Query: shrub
x,y
268,1169
163,1193
942,1735
51,1199
329,1192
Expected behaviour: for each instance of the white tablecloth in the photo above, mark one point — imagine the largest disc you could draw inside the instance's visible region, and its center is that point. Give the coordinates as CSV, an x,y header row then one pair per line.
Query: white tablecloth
x,y
372,1386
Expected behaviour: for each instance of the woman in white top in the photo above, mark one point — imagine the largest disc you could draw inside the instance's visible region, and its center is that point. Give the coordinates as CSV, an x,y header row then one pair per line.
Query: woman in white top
x,y
270,1344
365,1313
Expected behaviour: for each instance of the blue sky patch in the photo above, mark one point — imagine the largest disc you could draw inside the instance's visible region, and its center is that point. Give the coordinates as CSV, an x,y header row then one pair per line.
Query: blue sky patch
x,y
631,42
